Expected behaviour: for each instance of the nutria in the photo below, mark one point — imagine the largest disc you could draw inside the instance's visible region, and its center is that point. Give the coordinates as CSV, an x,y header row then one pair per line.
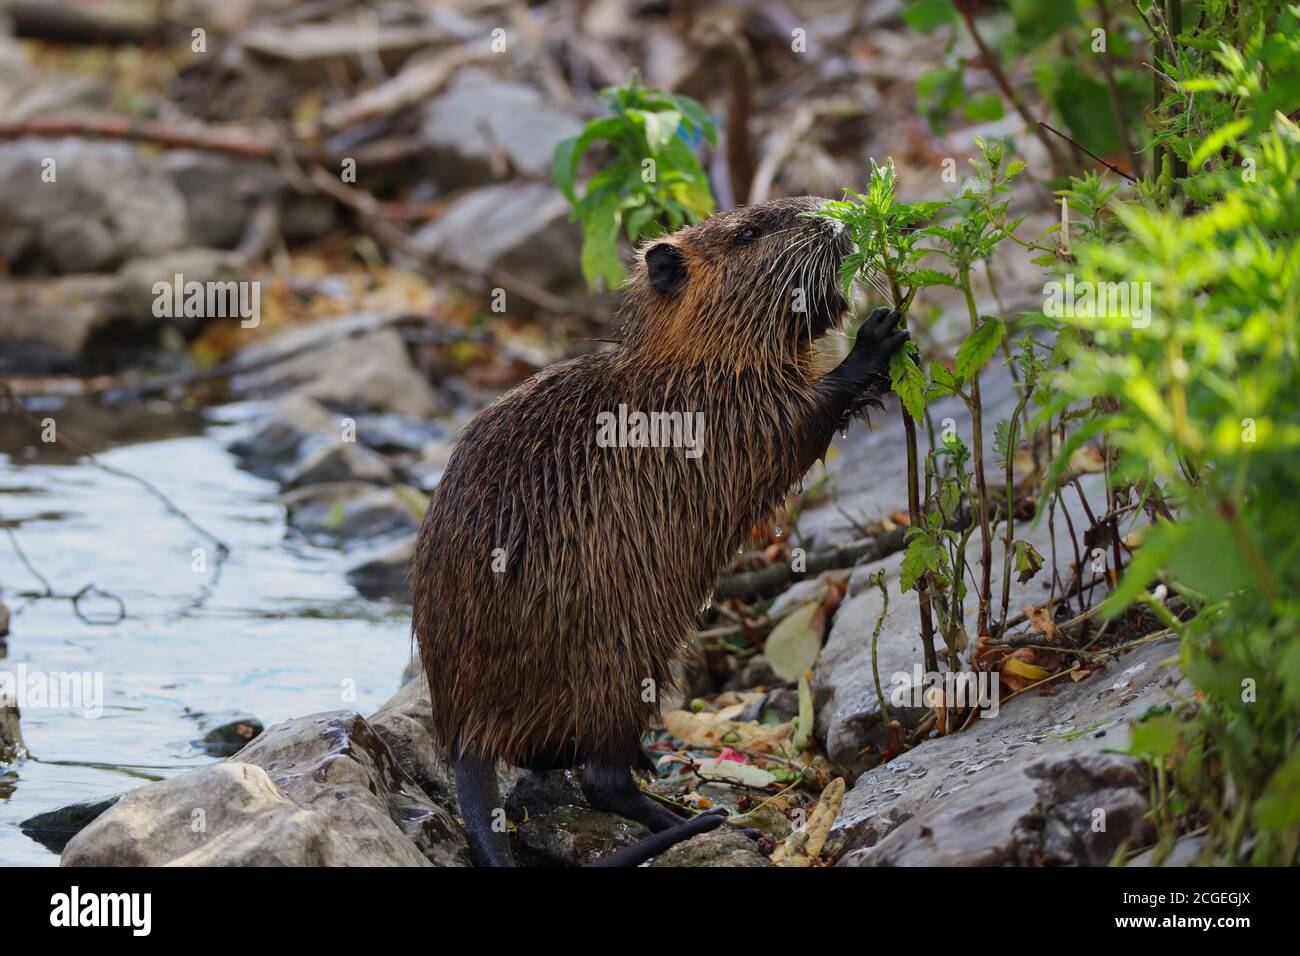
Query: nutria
x,y
558,572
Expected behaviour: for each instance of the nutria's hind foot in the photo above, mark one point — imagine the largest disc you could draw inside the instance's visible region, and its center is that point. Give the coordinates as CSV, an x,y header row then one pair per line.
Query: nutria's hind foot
x,y
610,788
480,808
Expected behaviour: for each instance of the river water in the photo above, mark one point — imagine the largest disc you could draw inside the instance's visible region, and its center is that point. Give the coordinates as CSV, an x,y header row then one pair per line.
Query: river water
x,y
277,632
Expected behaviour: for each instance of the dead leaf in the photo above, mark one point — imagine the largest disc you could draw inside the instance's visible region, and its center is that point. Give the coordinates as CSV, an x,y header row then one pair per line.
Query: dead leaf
x,y
795,642
804,846
714,733
1042,622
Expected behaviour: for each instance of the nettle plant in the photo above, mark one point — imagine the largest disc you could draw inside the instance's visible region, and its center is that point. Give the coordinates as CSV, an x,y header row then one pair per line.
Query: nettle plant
x,y
1202,405
901,249
651,180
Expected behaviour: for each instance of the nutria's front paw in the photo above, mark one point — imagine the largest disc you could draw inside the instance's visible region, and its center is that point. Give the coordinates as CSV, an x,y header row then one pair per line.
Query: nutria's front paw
x,y
877,340
876,343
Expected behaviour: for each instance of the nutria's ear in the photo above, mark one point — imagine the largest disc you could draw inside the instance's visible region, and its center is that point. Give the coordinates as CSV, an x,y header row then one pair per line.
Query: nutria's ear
x,y
665,266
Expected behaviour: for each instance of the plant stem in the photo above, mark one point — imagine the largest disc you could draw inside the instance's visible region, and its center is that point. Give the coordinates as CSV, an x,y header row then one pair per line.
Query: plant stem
x,y
994,65
977,460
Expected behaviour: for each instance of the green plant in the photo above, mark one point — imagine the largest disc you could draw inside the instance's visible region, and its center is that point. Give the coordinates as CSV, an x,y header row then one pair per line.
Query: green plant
x,y
651,181
1204,411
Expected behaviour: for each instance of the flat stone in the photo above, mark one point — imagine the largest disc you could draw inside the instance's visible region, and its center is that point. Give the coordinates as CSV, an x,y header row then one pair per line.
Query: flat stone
x,y
522,228
364,367
1020,787
481,121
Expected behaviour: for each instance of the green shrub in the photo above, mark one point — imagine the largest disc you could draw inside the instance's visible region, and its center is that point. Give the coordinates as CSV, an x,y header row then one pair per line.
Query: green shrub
x,y
650,182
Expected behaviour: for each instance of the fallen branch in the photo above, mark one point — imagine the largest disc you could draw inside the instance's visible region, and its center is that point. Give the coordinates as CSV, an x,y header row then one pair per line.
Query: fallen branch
x,y
750,584
418,80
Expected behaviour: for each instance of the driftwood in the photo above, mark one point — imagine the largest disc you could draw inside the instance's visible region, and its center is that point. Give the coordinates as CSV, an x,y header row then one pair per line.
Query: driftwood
x,y
749,584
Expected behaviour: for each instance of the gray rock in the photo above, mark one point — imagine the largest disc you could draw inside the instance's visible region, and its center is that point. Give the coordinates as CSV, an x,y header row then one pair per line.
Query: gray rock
x,y
221,194
385,573
106,205
406,725
300,442
51,325
225,733
391,433
54,828
576,835
322,790
349,513
1021,787
481,120
295,426
11,736
339,462
48,322
523,228
535,794
354,363
720,847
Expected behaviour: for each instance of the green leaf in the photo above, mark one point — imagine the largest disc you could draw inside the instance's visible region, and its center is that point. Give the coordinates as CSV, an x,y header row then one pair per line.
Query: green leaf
x,y
907,382
928,15
922,555
1156,737
979,348
600,259
1028,561
985,107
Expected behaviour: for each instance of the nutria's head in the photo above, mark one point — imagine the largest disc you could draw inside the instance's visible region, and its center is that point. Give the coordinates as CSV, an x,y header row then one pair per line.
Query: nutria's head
x,y
757,284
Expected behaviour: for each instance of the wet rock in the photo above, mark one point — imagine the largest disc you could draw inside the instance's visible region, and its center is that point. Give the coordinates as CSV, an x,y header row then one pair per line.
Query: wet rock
x,y
720,847
385,573
221,194
390,433
1024,786
520,227
848,712
54,828
300,442
536,794
405,723
225,733
483,122
755,672
352,512
54,325
11,737
576,835
48,322
106,206
339,462
352,363
292,427
322,790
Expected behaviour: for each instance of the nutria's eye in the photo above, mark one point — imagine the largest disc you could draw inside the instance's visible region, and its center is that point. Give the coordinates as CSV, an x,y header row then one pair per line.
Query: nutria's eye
x,y
748,234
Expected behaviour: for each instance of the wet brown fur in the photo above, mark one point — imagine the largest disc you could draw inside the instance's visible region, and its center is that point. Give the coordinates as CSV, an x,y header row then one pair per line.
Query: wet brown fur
x,y
610,552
